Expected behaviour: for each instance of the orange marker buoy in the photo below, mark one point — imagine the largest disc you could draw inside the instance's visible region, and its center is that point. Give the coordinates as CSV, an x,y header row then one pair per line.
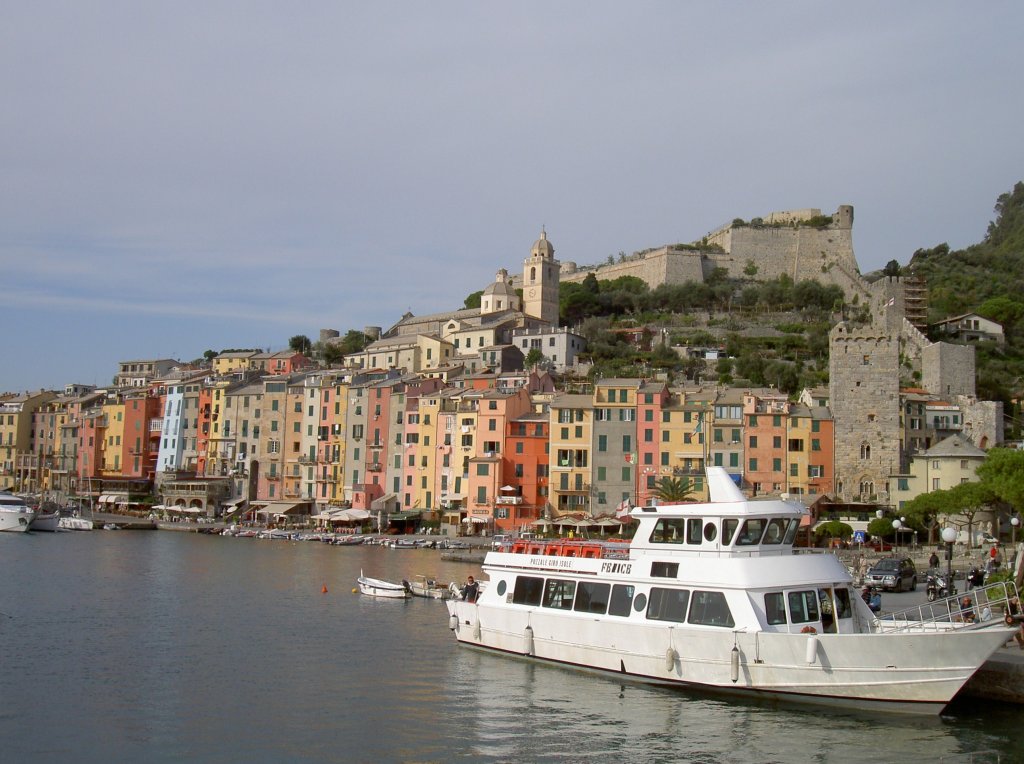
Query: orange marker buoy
x,y
324,589
354,590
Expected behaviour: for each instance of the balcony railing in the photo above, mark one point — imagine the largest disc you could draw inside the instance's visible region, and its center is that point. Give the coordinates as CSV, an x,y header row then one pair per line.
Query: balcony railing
x,y
509,500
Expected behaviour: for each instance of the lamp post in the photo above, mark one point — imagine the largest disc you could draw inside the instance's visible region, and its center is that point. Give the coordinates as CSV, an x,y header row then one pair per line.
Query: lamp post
x,y
896,525
1014,522
949,536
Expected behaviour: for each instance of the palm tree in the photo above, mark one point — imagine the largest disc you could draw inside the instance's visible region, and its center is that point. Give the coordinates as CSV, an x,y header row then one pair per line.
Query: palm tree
x,y
673,489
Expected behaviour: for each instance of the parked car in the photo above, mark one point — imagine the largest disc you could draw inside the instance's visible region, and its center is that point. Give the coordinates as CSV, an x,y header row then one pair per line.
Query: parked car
x,y
892,574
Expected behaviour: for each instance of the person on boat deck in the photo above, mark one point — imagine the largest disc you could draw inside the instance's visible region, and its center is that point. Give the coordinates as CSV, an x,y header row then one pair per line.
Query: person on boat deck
x,y
471,590
967,610
1014,617
872,598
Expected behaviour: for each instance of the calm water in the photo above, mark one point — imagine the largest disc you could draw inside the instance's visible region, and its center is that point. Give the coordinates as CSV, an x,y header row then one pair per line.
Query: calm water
x,y
159,646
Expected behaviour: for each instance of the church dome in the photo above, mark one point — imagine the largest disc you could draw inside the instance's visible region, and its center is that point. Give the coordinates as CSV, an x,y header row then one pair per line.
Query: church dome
x,y
500,285
542,247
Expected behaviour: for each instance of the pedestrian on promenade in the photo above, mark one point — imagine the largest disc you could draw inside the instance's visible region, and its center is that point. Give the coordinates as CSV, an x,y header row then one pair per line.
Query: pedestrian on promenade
x,y
933,561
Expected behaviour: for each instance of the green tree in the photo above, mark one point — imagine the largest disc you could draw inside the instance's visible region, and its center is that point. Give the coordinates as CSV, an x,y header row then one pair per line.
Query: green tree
x,y
331,353
472,300
924,511
300,343
673,489
967,500
892,268
834,529
353,341
1003,472
533,357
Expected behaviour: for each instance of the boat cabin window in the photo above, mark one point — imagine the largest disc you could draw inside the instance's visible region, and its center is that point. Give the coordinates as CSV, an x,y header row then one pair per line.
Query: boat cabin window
x,y
559,594
622,598
695,530
843,608
710,531
527,590
668,604
669,530
775,608
710,609
794,526
728,529
803,607
751,532
775,531
664,570
592,597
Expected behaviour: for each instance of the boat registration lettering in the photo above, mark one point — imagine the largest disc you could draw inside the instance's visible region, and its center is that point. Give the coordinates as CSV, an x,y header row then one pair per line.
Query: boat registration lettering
x,y
624,568
552,562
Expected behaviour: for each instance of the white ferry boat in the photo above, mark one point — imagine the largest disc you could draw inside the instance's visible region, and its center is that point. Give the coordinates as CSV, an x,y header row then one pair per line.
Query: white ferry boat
x,y
712,596
15,514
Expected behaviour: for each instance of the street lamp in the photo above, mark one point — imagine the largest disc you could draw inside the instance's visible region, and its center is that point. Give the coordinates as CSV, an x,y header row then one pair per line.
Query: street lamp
x,y
896,525
1014,522
949,536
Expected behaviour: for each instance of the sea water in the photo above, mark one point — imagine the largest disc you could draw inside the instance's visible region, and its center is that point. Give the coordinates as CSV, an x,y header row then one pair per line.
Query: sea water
x,y
161,646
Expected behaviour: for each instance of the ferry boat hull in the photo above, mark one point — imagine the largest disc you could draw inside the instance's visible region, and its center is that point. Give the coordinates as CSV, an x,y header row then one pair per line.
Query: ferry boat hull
x,y
712,596
916,673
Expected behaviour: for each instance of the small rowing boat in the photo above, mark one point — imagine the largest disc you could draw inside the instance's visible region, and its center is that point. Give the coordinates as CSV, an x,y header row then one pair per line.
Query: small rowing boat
x,y
374,587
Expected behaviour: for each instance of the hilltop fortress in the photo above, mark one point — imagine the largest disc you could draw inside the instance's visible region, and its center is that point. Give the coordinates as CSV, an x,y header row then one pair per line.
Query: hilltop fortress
x,y
802,244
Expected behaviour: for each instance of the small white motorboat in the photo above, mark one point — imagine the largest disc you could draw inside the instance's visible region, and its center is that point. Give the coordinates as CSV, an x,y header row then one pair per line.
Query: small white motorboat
x,y
422,586
374,587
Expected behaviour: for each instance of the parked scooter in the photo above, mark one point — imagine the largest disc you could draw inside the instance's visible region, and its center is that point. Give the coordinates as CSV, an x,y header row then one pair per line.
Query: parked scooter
x,y
937,586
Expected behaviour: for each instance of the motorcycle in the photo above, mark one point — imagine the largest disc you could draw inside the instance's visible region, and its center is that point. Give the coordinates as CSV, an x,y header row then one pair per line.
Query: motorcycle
x,y
937,587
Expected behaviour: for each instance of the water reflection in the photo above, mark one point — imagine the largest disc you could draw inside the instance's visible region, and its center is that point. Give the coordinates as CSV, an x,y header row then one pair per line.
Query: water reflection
x,y
171,647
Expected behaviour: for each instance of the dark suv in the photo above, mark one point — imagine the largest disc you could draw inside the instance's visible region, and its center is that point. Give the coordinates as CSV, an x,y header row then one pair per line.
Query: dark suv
x,y
892,574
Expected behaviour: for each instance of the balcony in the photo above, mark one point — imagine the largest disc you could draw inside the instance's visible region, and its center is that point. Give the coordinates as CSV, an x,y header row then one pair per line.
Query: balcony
x,y
375,467
156,425
509,500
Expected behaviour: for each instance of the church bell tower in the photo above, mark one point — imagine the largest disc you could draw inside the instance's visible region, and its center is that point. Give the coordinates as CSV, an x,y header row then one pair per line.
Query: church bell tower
x,y
540,281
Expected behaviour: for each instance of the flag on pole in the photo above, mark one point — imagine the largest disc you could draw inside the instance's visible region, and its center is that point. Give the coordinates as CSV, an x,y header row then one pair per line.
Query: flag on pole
x,y
622,510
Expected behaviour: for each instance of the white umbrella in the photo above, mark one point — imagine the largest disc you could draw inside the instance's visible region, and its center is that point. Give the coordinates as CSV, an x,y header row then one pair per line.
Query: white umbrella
x,y
508,488
542,522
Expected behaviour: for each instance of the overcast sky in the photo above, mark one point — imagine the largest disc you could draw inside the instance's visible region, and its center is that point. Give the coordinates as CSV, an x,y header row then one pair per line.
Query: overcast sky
x,y
182,176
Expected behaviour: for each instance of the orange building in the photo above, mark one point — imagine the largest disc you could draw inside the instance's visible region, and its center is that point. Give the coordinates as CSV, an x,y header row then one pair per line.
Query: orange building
x,y
523,495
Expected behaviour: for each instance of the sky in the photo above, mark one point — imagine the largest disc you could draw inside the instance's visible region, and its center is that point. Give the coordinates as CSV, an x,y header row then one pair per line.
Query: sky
x,y
177,177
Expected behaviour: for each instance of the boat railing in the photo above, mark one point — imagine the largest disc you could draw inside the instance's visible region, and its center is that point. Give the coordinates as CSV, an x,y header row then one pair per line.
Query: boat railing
x,y
591,548
987,606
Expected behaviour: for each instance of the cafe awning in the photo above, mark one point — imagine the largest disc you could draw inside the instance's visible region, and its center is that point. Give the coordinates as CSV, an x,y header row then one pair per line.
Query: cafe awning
x,y
410,514
281,508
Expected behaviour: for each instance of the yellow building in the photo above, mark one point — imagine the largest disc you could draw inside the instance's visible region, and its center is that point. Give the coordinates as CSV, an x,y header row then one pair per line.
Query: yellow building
x,y
571,476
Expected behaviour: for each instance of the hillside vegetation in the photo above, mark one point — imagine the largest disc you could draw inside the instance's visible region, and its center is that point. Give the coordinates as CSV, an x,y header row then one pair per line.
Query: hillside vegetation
x,y
986,278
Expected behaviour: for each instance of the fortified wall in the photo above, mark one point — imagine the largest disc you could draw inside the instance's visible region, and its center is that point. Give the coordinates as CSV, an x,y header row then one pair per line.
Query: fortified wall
x,y
782,243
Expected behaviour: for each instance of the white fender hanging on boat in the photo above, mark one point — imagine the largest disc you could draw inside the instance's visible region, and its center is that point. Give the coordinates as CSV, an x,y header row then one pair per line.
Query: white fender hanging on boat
x,y
812,649
476,629
671,656
528,640
734,664
453,622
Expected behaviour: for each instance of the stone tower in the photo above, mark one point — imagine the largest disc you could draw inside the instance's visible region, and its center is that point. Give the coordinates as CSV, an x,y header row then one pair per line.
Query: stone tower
x,y
540,281
864,392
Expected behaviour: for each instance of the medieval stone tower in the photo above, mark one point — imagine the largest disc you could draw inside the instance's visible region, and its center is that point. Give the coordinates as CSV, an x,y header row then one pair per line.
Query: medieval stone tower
x,y
864,386
540,281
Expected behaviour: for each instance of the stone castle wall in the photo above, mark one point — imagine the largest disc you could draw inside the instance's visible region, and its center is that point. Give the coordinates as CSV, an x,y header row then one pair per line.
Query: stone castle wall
x,y
948,369
982,421
800,252
864,396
